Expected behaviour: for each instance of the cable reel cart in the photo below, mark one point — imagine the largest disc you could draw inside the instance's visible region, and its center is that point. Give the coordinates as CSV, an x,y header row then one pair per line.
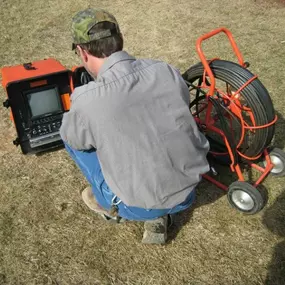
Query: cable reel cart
x,y
235,112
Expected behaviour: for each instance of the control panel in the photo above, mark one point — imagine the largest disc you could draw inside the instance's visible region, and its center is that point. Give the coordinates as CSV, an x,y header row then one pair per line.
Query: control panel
x,y
45,126
44,131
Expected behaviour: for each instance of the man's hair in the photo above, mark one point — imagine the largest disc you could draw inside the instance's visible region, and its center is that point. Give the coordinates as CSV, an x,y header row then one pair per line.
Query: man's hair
x,y
104,47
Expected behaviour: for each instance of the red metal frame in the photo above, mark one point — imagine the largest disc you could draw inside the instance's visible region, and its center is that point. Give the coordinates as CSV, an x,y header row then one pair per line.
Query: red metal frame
x,y
236,108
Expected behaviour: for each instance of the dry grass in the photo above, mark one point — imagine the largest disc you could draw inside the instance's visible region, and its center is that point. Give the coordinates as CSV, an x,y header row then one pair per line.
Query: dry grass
x,y
47,236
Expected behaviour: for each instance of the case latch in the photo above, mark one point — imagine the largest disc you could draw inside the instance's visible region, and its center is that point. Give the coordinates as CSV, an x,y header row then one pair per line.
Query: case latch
x,y
6,103
16,142
29,66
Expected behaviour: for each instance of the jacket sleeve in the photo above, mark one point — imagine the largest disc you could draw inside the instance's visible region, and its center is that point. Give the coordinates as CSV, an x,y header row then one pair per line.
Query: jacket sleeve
x,y
75,133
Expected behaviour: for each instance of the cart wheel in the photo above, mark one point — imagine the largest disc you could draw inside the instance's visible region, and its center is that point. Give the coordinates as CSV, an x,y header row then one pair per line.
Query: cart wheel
x,y
277,157
245,198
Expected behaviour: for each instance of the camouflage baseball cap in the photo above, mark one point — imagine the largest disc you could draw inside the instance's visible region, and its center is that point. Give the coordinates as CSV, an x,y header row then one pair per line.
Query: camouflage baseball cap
x,y
85,20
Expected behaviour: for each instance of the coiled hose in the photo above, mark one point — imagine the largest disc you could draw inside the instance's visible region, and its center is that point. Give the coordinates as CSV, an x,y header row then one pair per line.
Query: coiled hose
x,y
255,95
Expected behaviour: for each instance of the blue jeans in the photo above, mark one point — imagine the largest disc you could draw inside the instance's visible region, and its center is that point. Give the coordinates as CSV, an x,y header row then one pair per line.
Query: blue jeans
x,y
89,164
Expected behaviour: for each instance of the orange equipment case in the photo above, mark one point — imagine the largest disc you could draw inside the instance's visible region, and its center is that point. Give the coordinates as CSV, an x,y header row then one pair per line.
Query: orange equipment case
x,y
37,75
34,72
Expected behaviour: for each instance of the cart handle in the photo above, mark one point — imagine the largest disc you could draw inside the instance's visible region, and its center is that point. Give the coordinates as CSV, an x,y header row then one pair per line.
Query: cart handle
x,y
204,60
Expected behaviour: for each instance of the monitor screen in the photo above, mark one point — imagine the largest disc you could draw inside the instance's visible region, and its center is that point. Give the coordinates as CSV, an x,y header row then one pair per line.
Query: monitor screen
x,y
43,102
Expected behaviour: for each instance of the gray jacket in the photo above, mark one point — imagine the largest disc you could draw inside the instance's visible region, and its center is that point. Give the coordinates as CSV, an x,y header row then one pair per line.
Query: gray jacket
x,y
136,115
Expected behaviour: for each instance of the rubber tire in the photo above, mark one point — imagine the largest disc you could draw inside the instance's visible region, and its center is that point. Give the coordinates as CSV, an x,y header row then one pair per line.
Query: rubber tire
x,y
277,152
255,94
256,196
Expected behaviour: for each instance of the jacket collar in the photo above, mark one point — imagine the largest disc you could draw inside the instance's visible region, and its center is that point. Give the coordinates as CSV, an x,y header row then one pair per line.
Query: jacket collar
x,y
113,59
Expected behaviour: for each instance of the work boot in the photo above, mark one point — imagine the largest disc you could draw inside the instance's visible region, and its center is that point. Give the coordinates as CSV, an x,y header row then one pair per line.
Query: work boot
x,y
155,231
91,202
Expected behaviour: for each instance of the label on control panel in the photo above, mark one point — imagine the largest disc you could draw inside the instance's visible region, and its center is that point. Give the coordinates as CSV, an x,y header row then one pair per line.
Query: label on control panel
x,y
45,139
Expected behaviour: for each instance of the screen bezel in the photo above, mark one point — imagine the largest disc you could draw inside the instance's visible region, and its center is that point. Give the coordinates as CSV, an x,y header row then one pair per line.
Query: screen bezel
x,y
39,89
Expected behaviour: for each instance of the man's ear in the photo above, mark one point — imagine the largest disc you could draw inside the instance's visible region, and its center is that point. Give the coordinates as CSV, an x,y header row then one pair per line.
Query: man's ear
x,y
83,54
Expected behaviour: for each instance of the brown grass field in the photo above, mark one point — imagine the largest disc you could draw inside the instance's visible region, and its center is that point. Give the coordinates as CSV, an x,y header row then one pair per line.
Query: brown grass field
x,y
48,236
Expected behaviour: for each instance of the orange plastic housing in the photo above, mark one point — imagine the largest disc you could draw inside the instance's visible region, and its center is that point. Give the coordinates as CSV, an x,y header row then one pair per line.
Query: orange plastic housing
x,y
41,68
35,73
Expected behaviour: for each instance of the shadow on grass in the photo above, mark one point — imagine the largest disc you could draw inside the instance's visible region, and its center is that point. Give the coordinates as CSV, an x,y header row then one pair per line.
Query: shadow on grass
x,y
206,193
274,219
